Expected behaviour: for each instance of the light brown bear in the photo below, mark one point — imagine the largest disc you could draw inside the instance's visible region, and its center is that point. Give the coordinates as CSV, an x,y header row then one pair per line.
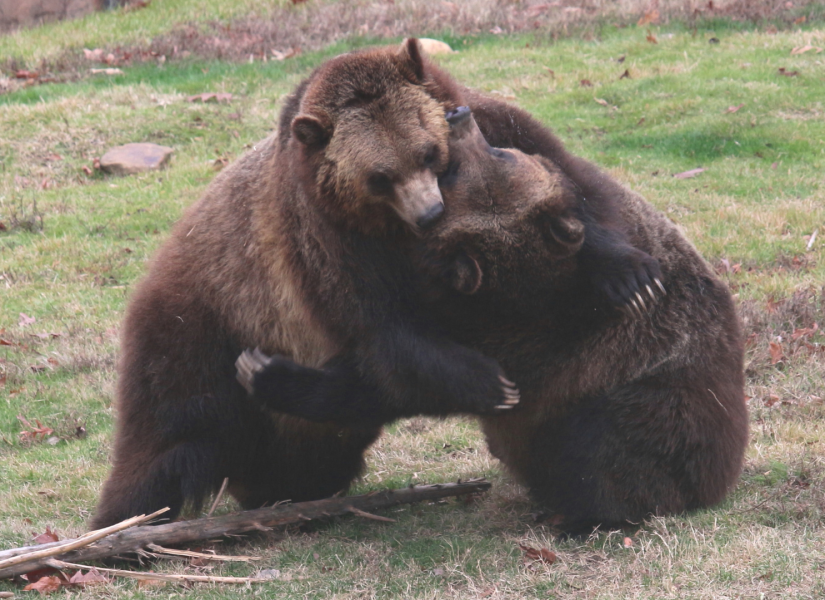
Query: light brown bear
x,y
301,248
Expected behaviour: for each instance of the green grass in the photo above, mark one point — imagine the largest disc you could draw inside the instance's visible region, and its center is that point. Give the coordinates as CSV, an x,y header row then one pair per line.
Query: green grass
x,y
122,26
760,195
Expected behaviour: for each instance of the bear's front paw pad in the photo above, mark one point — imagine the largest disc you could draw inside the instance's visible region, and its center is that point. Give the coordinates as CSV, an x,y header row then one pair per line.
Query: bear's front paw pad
x,y
249,364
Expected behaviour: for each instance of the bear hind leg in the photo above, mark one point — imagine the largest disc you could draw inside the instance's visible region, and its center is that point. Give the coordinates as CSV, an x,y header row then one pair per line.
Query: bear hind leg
x,y
183,475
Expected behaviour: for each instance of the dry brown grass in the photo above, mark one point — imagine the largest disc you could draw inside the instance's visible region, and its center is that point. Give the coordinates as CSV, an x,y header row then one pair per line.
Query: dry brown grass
x,y
316,24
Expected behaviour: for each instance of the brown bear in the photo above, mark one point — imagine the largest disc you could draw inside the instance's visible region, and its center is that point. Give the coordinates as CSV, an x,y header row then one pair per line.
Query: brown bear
x,y
539,197
622,416
302,248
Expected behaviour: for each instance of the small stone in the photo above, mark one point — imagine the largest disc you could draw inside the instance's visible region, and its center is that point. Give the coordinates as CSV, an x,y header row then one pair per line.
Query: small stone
x,y
268,574
135,158
431,46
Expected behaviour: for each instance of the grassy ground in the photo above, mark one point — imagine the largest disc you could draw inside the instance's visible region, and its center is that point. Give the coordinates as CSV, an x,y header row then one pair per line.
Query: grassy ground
x,y
72,244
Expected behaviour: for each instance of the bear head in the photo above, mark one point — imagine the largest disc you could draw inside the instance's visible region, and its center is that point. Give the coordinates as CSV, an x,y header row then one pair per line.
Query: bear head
x,y
374,139
509,232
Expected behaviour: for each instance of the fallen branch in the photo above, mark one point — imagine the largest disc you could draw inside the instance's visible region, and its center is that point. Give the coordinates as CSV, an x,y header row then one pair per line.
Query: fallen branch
x,y
44,551
117,539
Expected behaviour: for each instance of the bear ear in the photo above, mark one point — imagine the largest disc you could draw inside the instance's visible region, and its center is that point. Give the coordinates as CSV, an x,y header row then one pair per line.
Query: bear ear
x,y
412,55
309,130
566,232
465,274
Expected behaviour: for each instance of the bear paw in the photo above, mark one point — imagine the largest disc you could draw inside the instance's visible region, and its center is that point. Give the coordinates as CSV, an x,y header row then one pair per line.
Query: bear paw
x,y
632,283
249,364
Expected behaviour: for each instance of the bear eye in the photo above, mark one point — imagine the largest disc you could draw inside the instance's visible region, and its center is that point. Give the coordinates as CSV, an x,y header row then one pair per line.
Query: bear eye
x,y
450,176
430,156
379,183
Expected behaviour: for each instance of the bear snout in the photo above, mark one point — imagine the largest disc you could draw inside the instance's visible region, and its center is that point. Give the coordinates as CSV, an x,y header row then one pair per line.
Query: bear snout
x,y
419,201
431,216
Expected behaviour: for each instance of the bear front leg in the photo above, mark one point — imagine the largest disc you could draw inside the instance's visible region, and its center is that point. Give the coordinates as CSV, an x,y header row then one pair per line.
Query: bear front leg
x,y
333,394
337,393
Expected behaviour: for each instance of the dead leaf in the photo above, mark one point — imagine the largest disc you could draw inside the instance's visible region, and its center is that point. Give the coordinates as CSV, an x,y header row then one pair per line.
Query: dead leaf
x,y
651,38
92,577
805,332
25,320
650,17
625,75
689,174
586,83
33,431
600,101
496,30
542,554
45,585
782,71
627,542
733,109
6,342
776,352
47,537
23,74
806,48
800,20
771,400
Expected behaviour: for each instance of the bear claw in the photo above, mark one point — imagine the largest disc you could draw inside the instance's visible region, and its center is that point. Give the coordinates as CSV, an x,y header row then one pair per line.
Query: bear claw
x,y
658,282
250,364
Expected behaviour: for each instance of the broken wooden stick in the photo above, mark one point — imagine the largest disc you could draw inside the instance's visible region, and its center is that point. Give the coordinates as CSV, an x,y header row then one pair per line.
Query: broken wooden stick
x,y
119,540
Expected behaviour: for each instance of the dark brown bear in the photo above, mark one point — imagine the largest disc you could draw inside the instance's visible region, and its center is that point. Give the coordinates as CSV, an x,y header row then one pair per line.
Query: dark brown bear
x,y
621,416
301,248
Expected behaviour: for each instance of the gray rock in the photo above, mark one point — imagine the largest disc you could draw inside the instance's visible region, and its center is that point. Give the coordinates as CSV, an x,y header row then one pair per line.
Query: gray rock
x,y
135,158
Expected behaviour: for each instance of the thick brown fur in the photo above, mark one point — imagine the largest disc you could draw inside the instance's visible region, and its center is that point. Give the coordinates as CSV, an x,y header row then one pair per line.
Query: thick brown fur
x,y
299,248
622,416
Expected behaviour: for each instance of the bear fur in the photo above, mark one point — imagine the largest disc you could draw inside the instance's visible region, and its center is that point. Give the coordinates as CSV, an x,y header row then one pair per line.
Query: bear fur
x,y
301,248
540,199
622,416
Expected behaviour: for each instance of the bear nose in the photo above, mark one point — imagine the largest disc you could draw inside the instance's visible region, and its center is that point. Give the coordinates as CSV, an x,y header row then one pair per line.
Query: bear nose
x,y
431,216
